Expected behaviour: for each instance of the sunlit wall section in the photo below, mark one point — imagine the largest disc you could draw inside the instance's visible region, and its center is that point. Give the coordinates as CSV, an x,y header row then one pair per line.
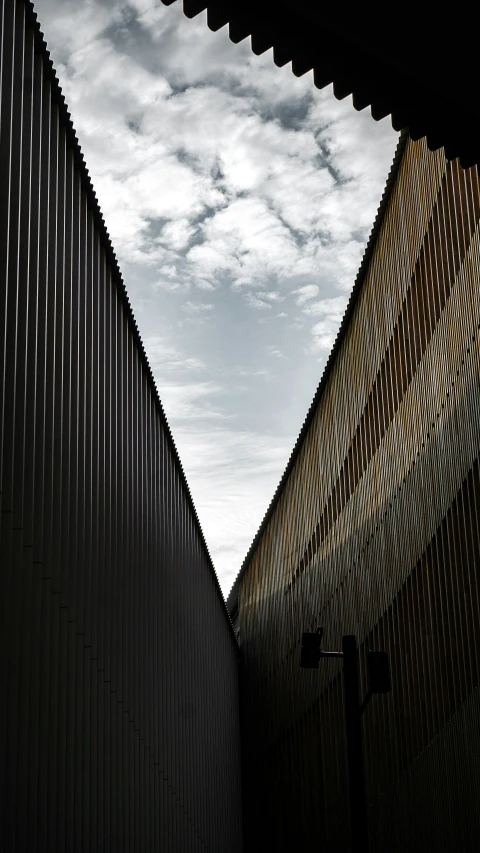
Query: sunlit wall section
x,y
119,717
374,532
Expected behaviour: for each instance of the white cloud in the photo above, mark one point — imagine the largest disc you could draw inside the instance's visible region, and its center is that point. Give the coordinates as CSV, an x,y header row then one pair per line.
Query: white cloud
x,y
191,401
247,242
236,473
257,302
303,294
333,307
165,357
177,234
161,154
228,186
325,331
197,307
271,295
274,350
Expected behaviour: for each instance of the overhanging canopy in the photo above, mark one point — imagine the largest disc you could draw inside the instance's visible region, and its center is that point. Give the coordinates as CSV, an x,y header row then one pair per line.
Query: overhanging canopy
x,y
416,65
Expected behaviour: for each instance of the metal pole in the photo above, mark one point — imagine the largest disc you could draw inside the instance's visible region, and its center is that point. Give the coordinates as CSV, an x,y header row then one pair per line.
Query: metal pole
x,y
356,780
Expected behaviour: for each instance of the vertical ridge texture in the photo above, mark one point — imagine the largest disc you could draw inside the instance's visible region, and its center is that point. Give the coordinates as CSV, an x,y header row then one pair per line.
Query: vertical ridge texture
x,y
119,718
375,533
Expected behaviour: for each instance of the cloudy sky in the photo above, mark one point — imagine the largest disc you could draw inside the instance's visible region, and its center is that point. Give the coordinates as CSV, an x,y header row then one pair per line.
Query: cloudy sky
x,y
239,200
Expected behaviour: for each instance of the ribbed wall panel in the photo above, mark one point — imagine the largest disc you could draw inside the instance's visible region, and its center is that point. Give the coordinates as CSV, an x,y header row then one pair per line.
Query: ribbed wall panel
x,y
119,719
375,532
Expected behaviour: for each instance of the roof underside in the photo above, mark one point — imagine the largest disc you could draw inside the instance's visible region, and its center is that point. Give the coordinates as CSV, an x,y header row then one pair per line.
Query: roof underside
x,y
420,69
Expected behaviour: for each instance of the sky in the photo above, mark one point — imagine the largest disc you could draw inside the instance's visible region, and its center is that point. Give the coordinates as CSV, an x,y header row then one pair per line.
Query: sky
x,y
239,199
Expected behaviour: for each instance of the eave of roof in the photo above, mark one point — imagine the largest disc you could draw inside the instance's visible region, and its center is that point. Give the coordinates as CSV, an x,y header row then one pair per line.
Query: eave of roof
x,y
412,87
72,140
232,600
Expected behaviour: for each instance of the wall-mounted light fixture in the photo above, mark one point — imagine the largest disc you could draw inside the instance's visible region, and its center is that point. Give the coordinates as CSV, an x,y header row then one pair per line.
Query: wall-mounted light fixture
x,y
378,682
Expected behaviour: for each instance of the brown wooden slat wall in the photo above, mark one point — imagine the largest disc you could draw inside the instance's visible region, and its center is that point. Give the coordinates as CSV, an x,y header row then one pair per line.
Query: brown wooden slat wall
x,y
119,718
376,533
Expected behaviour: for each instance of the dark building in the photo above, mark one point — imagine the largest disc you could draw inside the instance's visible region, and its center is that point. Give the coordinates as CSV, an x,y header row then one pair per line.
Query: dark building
x,y
374,531
374,528
121,699
119,718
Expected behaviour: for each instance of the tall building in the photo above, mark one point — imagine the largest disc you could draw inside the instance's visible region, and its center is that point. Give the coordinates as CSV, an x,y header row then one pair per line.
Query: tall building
x,y
131,718
119,718
374,531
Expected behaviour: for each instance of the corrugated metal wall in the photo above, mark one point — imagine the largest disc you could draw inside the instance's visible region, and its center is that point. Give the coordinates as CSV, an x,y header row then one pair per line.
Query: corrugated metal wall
x,y
119,718
375,532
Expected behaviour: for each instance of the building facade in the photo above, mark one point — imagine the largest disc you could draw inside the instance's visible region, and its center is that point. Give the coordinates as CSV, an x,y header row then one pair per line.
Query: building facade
x,y
119,715
122,692
374,531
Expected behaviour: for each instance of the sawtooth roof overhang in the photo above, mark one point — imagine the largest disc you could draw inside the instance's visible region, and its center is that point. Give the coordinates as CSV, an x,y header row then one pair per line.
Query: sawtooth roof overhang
x,y
416,63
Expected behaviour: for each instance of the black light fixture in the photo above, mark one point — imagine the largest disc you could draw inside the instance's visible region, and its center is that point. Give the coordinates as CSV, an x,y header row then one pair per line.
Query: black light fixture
x,y
378,676
378,682
310,651
378,673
